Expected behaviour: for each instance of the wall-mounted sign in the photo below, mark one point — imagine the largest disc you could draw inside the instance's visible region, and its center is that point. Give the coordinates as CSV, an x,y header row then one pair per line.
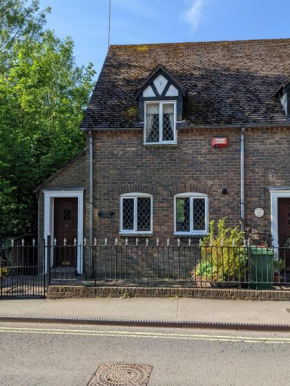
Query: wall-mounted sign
x,y
259,212
219,142
108,214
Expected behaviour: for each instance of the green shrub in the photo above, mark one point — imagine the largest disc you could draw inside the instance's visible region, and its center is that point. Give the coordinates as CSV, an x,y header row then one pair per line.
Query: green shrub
x,y
3,272
223,255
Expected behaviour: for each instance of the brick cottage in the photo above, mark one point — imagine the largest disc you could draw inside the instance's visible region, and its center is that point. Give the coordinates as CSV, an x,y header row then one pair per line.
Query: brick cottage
x,y
178,135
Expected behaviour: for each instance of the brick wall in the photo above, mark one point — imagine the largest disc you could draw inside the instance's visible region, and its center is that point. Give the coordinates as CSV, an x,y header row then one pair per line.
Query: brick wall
x,y
74,175
66,291
122,164
267,155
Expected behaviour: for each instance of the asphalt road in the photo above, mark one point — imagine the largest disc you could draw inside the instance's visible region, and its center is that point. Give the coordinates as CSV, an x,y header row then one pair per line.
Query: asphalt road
x,y
38,354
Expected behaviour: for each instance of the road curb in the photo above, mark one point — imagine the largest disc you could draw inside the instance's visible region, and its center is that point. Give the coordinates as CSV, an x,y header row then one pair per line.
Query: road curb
x,y
146,323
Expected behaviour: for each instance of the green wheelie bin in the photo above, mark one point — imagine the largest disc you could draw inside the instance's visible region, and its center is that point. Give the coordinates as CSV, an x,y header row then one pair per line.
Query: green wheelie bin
x,y
261,260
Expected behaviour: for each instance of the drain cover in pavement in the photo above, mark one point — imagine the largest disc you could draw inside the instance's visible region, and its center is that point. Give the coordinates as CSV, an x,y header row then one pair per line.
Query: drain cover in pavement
x,y
121,374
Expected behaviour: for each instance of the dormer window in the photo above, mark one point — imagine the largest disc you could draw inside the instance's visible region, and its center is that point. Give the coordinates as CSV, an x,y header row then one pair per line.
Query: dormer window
x,y
160,122
160,107
284,95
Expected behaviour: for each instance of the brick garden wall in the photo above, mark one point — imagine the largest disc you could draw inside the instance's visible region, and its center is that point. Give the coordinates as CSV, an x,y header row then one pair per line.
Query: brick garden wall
x,y
65,292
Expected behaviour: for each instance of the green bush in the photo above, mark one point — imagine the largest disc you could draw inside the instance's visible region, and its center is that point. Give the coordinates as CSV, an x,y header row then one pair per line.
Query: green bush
x,y
3,272
223,255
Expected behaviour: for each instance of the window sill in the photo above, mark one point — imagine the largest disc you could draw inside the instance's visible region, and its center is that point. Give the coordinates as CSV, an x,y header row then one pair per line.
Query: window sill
x,y
190,234
139,235
156,145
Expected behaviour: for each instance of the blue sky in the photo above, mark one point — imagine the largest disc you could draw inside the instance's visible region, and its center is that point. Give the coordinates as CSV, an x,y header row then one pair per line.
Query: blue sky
x,y
161,21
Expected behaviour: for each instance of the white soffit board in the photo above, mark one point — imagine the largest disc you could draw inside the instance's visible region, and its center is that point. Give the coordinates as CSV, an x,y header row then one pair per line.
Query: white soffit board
x,y
148,92
172,91
160,82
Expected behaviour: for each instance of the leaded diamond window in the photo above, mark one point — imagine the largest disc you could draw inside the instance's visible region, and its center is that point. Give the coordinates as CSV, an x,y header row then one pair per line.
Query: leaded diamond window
x,y
128,213
198,214
152,123
182,215
136,213
160,125
191,213
143,214
168,122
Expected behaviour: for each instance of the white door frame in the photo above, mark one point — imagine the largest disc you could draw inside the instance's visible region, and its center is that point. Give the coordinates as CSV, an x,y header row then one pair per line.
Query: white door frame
x,y
275,194
49,196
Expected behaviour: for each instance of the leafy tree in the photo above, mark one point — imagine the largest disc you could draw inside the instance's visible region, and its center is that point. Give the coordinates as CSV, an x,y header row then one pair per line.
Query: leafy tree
x,y
43,94
19,21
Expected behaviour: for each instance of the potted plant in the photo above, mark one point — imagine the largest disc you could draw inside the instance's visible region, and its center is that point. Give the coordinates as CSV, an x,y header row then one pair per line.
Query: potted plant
x,y
279,266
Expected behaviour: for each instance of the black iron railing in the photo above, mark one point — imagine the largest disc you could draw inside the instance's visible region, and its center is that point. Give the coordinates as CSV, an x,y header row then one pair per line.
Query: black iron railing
x,y
201,266
21,271
26,269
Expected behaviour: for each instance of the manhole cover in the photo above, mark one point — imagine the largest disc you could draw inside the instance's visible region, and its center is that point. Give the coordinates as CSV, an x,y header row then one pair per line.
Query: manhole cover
x,y
121,374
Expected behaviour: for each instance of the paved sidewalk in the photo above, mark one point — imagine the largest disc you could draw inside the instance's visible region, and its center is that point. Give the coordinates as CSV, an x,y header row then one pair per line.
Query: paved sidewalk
x,y
182,309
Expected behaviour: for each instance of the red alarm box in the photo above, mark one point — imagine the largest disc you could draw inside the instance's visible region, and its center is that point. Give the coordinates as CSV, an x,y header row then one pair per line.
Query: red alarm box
x,y
219,142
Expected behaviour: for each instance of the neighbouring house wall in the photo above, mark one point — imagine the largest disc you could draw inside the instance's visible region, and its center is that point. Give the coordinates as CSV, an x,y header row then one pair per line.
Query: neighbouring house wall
x,y
267,156
74,175
122,164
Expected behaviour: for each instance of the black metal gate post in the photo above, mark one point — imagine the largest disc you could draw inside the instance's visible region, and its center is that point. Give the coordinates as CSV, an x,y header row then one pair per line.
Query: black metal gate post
x,y
48,246
43,267
1,268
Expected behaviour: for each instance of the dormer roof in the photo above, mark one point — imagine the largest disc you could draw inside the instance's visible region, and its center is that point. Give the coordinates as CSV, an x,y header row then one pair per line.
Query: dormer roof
x,y
282,89
283,94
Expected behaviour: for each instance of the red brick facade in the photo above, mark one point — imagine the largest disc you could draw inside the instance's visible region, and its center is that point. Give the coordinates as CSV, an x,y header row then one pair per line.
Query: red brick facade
x,y
122,164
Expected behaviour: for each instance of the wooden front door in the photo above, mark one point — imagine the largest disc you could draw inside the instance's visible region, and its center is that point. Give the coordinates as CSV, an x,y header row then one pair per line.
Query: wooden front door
x,y
65,227
284,230
283,220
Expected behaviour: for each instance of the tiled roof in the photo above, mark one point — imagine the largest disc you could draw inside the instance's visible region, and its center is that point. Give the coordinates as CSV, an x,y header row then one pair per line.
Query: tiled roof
x,y
230,82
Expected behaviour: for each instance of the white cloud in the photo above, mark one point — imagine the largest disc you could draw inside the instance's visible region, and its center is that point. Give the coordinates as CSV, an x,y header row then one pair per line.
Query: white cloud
x,y
195,13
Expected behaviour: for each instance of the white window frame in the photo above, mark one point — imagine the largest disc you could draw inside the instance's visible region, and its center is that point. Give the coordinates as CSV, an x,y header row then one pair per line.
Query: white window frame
x,y
192,196
161,103
135,196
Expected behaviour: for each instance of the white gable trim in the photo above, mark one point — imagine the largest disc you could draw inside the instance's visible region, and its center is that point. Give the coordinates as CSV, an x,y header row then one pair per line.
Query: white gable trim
x,y
160,83
172,91
148,92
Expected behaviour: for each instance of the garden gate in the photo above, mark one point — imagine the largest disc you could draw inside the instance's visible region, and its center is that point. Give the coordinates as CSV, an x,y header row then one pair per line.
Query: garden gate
x,y
21,270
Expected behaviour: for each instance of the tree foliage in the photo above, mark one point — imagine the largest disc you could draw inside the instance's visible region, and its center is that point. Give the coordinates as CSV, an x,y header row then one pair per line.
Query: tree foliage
x,y
43,94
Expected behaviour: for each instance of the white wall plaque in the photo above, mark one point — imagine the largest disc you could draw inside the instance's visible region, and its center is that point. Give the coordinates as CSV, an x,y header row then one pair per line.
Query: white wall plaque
x,y
259,212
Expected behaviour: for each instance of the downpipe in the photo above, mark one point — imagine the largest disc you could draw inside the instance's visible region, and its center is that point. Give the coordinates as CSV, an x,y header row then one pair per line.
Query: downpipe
x,y
91,198
242,174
